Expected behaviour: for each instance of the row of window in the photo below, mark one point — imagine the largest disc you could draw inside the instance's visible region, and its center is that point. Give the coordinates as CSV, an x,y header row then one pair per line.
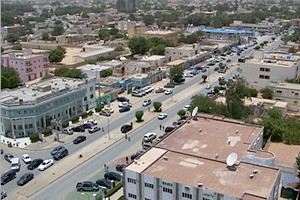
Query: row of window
x,y
29,63
264,77
262,69
185,195
20,127
280,92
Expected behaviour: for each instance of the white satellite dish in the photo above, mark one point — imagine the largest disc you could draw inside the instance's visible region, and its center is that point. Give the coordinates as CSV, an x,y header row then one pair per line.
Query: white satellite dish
x,y
231,158
195,110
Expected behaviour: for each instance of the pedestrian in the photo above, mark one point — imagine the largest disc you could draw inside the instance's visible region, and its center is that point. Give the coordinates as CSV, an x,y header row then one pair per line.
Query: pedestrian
x,y
160,127
163,127
102,129
105,168
126,160
128,138
148,109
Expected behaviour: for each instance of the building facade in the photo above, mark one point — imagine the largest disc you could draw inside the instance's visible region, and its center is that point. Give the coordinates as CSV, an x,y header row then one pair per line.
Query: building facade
x,y
124,26
192,163
30,109
126,5
226,34
262,27
28,65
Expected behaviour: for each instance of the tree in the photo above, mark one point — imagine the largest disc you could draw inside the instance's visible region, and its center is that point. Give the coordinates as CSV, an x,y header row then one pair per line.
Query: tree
x,y
204,104
216,89
252,92
71,73
138,45
9,78
204,77
139,114
176,73
267,93
119,48
273,38
181,113
273,125
104,34
12,37
17,47
48,76
107,72
45,36
158,50
57,54
58,30
157,106
257,48
60,71
148,19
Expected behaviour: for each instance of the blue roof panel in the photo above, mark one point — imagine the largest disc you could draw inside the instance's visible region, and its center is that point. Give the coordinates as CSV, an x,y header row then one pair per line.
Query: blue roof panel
x,y
226,31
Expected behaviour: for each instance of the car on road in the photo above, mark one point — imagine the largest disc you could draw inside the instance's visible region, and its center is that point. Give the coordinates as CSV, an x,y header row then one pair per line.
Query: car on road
x,y
160,90
148,89
45,164
8,157
147,102
8,176
25,179
195,72
210,94
162,116
221,78
148,137
104,183
104,113
68,131
122,99
124,104
188,75
119,167
61,154
79,128
26,158
79,139
204,70
208,86
170,85
126,128
228,60
94,129
56,149
35,163
186,107
168,91
87,126
87,186
92,121
3,194
113,176
124,109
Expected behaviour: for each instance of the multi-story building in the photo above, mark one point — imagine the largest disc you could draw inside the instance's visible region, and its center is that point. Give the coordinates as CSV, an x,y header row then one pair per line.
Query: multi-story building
x,y
226,34
28,65
124,26
134,67
126,5
17,29
209,158
30,109
265,27
75,38
261,73
287,92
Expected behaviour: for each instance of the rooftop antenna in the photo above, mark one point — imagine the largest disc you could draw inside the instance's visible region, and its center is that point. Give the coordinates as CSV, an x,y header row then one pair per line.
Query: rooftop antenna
x,y
194,113
231,159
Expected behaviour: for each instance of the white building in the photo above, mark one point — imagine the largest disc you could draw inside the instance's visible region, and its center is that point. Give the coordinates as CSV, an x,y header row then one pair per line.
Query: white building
x,y
187,51
191,163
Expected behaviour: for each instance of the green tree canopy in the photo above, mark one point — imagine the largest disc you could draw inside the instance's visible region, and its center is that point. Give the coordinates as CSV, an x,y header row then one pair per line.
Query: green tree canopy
x,y
157,105
12,37
181,113
204,77
9,78
58,30
204,104
176,73
138,45
71,73
45,36
148,19
57,54
139,114
267,93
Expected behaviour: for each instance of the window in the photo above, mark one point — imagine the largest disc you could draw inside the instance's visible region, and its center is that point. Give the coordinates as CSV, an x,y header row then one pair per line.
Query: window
x,y
20,127
85,98
279,92
268,69
30,125
147,199
295,102
296,94
131,180
264,77
149,185
92,96
262,69
131,195
25,111
167,190
186,195
91,89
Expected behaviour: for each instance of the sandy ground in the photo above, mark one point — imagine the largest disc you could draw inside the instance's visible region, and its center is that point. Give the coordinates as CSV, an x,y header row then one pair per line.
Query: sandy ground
x,y
71,52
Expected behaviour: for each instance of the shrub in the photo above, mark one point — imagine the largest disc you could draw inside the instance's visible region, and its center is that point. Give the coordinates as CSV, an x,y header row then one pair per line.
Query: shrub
x,y
47,132
74,119
84,115
181,113
98,108
139,114
90,113
157,106
252,92
204,77
34,137
257,48
65,124
267,93
114,189
217,89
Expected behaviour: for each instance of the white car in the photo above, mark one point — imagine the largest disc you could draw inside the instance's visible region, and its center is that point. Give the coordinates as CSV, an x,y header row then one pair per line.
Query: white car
x,y
186,107
162,115
124,104
188,75
94,129
45,164
208,86
147,102
168,91
92,121
26,158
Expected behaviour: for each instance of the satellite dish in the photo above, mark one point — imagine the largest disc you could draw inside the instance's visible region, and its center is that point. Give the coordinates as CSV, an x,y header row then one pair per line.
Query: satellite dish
x,y
231,159
195,110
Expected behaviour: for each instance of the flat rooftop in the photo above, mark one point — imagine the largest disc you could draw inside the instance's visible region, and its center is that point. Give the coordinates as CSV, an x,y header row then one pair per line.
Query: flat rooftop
x,y
226,31
96,52
93,67
280,63
176,62
159,32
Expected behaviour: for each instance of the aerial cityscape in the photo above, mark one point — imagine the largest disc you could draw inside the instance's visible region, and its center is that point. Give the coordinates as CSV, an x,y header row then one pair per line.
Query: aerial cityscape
x,y
150,100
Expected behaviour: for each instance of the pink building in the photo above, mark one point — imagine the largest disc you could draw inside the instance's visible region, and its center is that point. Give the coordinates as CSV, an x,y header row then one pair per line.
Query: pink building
x,y
28,66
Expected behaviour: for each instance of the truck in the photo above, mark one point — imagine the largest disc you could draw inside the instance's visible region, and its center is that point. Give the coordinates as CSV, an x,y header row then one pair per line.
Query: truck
x,y
15,164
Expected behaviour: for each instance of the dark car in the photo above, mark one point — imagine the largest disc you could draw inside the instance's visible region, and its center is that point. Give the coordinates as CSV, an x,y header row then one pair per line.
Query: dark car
x,y
169,129
8,157
105,113
35,163
126,128
25,179
228,60
87,186
60,154
8,176
79,139
87,125
198,68
3,194
104,183
204,70
121,91
216,69
124,109
170,85
120,167
113,176
78,129
56,149
122,99
137,154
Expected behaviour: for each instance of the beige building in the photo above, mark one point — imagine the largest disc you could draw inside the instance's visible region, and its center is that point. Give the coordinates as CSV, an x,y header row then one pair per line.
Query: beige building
x,y
174,53
124,26
75,38
261,27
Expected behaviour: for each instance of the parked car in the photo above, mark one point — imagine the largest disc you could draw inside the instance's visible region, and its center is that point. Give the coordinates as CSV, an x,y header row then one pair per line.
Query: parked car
x,y
94,129
136,93
92,121
168,91
56,149
121,90
110,110
87,126
160,90
228,60
148,137
26,158
104,113
25,179
210,94
126,128
79,139
8,157
170,85
122,99
8,176
35,163
124,109
61,154
169,129
216,69
3,194
147,102
78,129
120,167
204,70
137,154
221,78
87,186
124,104
68,131
162,116
104,183
208,86
188,75
186,107
113,176
45,164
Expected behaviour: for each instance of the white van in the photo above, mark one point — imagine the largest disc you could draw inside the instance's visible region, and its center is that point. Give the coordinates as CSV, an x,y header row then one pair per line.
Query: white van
x,y
149,137
15,164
